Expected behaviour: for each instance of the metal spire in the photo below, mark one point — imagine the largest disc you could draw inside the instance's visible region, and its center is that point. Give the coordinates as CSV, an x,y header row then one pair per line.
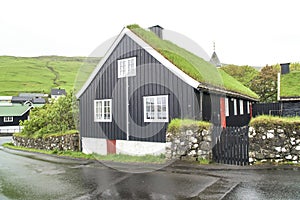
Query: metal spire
x,y
214,46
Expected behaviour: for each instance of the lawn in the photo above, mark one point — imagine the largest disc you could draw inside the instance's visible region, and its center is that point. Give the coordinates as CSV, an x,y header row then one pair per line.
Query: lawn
x,y
40,74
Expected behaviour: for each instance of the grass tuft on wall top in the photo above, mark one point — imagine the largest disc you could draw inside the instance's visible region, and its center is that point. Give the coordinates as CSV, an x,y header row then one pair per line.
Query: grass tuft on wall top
x,y
270,122
177,125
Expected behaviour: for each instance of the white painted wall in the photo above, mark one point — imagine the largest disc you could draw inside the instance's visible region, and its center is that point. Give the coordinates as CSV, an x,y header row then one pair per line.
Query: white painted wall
x,y
94,145
138,148
10,129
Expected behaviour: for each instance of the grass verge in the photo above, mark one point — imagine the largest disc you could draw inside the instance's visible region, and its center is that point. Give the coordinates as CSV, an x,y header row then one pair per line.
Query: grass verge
x,y
111,157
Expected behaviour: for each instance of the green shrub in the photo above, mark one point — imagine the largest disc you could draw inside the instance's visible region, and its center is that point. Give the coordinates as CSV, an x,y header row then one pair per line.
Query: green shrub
x,y
54,117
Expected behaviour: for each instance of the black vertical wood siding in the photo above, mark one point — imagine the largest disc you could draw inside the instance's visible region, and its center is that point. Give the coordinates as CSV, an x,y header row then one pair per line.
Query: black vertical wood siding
x,y
237,120
291,108
151,79
16,120
211,108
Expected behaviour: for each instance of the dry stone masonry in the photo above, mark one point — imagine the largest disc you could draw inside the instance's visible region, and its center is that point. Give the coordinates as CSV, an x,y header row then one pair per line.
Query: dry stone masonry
x,y
275,145
189,144
62,142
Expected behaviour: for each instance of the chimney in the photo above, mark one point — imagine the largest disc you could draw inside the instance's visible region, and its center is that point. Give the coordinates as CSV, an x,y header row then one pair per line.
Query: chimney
x,y
158,30
285,68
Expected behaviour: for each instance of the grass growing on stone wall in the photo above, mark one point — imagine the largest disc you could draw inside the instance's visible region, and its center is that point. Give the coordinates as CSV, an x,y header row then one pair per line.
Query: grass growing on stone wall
x,y
35,136
267,121
78,154
177,125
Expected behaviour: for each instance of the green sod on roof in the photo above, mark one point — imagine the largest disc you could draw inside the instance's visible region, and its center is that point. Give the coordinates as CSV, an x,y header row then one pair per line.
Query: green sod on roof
x,y
290,84
194,66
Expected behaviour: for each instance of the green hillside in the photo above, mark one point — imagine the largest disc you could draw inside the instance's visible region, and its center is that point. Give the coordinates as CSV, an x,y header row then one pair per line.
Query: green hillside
x,y
40,74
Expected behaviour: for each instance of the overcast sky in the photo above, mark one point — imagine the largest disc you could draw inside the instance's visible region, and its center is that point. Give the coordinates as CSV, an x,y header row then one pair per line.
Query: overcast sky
x,y
254,32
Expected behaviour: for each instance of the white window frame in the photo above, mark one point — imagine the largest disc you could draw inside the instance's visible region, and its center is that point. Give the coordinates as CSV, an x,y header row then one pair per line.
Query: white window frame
x,y
127,67
226,107
99,113
155,108
241,107
234,106
248,107
8,119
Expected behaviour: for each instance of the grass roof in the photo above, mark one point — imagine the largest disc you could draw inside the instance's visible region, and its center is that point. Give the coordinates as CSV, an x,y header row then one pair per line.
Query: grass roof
x,y
289,84
194,66
13,110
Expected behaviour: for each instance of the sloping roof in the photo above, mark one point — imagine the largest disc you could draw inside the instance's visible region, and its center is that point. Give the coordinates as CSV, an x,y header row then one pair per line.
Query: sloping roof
x,y
190,68
17,99
290,86
13,110
38,101
58,92
215,60
32,95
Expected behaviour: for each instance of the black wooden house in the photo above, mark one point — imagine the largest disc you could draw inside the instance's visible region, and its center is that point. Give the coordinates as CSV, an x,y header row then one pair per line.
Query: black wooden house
x,y
142,83
289,91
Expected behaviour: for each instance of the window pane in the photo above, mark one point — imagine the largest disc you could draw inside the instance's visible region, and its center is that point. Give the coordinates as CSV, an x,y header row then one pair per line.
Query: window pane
x,y
161,108
149,108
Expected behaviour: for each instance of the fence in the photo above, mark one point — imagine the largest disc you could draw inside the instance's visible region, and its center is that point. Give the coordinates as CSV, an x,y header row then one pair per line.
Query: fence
x,y
231,145
267,109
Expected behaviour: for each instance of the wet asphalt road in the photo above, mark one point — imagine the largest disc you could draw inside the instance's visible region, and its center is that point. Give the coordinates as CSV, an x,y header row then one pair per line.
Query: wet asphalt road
x,y
30,176
22,177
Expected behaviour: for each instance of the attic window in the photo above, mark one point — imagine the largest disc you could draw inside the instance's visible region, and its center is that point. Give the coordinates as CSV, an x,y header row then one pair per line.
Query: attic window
x,y
8,119
127,67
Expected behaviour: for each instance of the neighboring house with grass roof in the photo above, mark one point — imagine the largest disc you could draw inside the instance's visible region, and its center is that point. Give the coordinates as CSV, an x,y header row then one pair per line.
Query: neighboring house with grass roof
x,y
289,91
142,83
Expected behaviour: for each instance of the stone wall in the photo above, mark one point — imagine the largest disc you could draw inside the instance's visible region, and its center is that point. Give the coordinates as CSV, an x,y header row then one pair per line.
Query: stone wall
x,y
275,145
63,142
189,144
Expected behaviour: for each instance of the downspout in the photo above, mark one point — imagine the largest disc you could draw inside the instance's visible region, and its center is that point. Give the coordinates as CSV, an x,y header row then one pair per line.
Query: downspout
x,y
127,109
278,92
